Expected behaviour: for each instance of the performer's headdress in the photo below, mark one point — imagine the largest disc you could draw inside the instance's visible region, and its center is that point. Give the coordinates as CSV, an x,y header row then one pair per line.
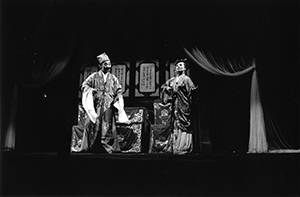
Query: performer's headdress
x,y
102,57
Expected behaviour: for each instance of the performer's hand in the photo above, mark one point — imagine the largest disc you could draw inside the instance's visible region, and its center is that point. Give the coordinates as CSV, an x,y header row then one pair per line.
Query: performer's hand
x,y
94,91
169,88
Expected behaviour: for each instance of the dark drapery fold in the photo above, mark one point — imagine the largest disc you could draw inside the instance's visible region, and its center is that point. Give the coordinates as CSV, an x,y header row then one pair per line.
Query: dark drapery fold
x,y
52,39
259,141
43,73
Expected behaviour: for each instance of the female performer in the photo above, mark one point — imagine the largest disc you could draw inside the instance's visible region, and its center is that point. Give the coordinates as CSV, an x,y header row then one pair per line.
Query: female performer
x,y
178,92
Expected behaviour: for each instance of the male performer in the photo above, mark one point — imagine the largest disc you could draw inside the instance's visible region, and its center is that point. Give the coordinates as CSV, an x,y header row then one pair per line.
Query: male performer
x,y
101,90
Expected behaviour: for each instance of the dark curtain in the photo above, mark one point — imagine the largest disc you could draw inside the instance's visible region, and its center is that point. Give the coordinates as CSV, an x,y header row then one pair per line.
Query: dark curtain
x,y
44,90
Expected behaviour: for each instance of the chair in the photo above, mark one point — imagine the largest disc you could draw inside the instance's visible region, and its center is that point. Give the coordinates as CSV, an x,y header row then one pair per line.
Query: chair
x,y
160,131
132,136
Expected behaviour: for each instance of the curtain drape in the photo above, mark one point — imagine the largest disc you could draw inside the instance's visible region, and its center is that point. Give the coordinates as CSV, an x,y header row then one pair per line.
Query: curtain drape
x,y
9,142
37,77
263,137
212,66
43,73
49,52
257,140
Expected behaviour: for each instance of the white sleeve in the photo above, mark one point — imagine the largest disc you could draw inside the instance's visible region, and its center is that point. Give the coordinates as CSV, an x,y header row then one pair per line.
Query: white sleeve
x,y
88,105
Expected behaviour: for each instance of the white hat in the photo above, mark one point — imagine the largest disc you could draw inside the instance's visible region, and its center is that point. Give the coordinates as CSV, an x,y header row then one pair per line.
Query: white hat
x,y
102,57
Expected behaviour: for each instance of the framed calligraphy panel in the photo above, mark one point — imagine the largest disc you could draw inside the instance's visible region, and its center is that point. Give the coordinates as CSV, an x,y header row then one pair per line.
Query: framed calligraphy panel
x,y
147,78
121,71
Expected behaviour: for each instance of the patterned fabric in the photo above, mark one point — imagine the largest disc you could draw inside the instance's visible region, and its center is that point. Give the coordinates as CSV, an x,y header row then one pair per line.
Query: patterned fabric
x,y
81,115
160,132
129,136
161,138
78,131
162,113
79,139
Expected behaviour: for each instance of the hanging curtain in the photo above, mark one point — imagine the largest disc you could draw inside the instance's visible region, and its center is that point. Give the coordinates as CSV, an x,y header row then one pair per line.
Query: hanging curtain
x,y
54,31
264,136
211,65
36,78
9,143
257,140
43,73
49,55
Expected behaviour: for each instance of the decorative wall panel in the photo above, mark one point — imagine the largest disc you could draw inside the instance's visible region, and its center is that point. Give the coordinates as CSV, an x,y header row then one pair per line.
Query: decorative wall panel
x,y
121,71
147,78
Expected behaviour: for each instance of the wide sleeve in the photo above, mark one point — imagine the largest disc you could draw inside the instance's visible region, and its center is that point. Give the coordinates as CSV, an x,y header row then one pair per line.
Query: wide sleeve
x,y
88,104
190,86
89,83
167,92
88,88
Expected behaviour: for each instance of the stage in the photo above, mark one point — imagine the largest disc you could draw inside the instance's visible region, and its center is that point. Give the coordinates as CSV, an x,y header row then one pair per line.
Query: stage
x,y
141,174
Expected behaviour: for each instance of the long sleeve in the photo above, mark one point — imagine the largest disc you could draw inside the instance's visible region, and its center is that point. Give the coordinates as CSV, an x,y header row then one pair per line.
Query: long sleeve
x,y
88,104
167,92
88,86
189,84
89,83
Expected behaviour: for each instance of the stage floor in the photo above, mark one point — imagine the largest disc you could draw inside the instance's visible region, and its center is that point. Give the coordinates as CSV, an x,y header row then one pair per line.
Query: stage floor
x,y
91,174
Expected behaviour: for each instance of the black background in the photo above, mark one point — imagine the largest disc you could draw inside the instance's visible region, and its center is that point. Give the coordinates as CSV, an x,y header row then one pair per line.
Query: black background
x,y
267,31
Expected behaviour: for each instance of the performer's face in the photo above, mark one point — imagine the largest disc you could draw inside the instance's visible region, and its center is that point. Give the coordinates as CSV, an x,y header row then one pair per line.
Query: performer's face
x,y
180,66
106,66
